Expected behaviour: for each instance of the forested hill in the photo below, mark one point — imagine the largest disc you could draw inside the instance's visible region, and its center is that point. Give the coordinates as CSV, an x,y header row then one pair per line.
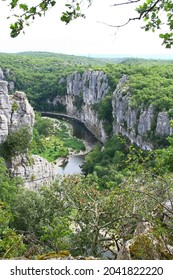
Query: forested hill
x,y
38,74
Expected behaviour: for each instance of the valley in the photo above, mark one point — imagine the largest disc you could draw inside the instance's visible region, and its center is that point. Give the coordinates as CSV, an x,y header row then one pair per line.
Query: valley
x,y
110,123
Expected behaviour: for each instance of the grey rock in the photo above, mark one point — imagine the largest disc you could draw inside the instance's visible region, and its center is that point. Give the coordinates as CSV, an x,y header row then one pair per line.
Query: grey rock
x,y
11,86
136,123
37,171
91,87
16,112
1,74
163,126
125,251
3,88
145,120
159,245
3,126
23,114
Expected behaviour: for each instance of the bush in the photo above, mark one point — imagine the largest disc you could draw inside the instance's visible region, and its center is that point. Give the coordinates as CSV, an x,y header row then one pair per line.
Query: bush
x,y
11,244
17,142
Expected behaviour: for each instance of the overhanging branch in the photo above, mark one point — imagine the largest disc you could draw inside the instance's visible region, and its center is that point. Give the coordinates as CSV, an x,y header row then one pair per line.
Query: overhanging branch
x,y
143,14
125,3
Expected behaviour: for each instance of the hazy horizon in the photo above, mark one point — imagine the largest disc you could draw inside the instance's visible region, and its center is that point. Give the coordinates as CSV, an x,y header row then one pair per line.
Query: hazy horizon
x,y
108,56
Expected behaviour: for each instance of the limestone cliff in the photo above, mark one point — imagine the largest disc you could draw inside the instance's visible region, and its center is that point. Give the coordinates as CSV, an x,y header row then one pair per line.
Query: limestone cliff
x,y
141,125
16,112
36,171
90,88
83,91
138,124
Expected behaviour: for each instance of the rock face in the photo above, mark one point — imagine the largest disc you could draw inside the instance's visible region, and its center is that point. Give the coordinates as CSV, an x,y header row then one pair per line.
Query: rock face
x,y
16,112
1,74
137,124
7,74
37,171
83,91
90,88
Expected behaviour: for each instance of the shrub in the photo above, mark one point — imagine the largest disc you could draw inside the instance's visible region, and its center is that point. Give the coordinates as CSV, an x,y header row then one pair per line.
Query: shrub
x,y
17,142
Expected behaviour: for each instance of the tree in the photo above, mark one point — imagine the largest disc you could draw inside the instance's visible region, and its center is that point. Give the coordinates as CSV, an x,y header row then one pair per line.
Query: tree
x,y
94,215
102,218
29,12
11,243
17,142
156,13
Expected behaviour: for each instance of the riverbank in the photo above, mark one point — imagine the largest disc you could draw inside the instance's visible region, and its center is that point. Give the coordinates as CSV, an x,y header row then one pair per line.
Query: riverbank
x,y
62,160
72,141
54,139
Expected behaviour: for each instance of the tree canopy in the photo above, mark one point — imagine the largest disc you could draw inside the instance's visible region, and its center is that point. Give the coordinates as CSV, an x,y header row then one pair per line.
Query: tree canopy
x,y
156,14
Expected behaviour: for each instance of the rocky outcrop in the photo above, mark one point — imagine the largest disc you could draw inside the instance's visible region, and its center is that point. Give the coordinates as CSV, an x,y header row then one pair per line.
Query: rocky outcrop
x,y
138,124
84,91
89,88
15,113
36,170
7,75
146,245
1,74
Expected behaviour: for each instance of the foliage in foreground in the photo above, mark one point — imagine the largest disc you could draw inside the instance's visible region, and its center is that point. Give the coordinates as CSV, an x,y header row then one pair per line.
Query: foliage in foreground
x,y
81,215
154,13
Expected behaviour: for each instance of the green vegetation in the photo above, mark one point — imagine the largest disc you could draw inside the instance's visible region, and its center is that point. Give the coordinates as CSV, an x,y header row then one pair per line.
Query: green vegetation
x,y
42,76
11,244
109,163
74,213
146,83
148,87
104,109
53,139
156,14
16,143
121,187
30,222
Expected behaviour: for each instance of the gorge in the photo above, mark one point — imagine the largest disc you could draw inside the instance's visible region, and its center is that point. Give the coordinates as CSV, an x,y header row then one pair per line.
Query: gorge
x,y
121,206
85,91
82,96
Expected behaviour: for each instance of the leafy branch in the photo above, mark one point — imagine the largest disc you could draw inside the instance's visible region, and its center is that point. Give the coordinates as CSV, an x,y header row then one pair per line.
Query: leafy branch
x,y
152,11
155,13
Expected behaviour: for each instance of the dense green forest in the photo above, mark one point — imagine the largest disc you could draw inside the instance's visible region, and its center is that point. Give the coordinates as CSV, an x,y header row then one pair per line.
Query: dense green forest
x,y
38,74
121,189
121,185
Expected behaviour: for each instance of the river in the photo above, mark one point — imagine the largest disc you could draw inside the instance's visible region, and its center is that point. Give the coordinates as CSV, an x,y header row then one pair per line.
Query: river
x,y
74,163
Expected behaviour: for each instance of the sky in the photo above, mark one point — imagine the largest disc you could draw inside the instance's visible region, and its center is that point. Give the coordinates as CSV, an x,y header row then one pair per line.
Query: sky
x,y
84,36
